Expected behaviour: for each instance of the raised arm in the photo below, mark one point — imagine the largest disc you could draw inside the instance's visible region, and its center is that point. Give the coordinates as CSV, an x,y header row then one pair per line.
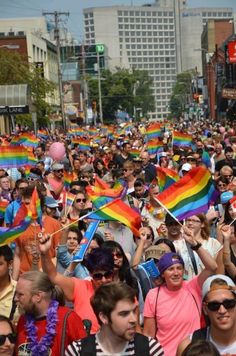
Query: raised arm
x,y
229,266
208,261
66,283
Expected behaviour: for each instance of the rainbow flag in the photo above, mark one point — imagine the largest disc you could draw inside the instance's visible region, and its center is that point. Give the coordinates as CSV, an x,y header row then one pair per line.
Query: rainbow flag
x,y
119,211
7,235
70,199
101,194
29,140
166,177
154,146
13,156
134,152
92,131
32,160
191,195
3,206
84,145
206,159
43,134
181,139
153,131
68,178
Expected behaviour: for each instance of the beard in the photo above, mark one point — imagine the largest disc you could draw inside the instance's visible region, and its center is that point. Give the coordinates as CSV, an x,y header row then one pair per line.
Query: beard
x,y
29,309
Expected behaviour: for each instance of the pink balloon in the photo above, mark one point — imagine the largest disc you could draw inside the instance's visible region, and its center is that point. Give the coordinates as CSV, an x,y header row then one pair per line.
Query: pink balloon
x,y
57,151
222,129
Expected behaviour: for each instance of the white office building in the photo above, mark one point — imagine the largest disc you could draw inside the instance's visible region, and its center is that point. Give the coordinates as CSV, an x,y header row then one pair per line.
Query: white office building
x,y
152,37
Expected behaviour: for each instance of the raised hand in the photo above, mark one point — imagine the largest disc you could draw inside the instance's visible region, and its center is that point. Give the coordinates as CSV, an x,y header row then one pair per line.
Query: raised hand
x,y
45,242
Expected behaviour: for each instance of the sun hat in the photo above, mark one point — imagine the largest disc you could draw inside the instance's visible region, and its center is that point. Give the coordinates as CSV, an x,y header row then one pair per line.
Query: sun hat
x,y
57,166
186,167
51,202
207,285
169,259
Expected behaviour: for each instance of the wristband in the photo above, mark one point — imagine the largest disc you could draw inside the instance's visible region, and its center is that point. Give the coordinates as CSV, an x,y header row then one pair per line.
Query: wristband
x,y
196,247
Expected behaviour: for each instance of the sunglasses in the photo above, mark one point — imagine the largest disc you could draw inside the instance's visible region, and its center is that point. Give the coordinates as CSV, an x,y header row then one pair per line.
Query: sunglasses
x,y
79,200
31,179
125,170
11,337
59,171
227,303
99,275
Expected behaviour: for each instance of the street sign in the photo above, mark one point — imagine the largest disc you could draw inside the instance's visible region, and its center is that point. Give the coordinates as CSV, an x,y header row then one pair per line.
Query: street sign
x,y
14,110
100,48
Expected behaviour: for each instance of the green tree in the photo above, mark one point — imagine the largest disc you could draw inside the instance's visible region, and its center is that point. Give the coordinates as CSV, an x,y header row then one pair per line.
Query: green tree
x,y
15,69
181,93
123,90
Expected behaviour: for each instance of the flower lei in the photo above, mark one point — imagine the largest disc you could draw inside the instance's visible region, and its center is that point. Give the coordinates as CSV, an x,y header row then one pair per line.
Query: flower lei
x,y
41,347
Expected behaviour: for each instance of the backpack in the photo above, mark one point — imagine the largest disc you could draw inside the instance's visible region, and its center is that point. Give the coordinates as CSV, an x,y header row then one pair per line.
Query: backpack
x,y
141,345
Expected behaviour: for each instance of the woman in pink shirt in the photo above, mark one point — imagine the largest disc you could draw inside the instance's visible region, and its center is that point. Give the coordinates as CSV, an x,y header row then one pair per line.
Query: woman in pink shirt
x,y
173,310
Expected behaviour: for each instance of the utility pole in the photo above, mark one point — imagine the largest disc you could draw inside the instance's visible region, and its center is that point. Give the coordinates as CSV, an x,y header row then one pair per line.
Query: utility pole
x,y
84,83
99,88
57,15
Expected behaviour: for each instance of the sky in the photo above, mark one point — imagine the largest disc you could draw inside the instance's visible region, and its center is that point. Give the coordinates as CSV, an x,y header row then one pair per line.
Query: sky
x,y
74,24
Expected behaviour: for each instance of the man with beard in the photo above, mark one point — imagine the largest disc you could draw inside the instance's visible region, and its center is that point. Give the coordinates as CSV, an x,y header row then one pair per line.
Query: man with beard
x,y
46,327
115,307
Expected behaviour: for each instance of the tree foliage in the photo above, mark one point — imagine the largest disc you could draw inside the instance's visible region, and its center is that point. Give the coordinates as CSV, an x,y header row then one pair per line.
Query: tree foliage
x,y
123,90
15,69
181,93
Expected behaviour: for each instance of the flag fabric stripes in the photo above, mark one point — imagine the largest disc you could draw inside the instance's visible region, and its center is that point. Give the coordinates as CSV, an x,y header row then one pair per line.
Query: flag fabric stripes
x,y
181,139
3,206
69,177
166,177
70,197
84,145
118,210
134,152
191,195
34,209
153,131
13,156
153,146
8,235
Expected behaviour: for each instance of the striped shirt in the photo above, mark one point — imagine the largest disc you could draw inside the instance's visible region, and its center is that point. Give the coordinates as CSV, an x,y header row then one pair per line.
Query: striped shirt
x,y
155,349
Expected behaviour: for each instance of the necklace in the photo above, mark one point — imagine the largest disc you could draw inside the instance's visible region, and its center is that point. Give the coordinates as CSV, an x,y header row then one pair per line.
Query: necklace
x,y
41,347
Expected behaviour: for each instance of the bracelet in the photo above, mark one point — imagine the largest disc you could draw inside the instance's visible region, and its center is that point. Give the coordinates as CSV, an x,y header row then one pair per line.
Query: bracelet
x,y
196,247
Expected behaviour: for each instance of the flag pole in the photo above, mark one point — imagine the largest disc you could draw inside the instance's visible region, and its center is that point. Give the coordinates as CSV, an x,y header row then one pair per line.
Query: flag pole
x,y
82,217
168,211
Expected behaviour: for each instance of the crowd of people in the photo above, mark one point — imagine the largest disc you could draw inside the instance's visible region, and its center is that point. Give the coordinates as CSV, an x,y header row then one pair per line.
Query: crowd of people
x,y
108,302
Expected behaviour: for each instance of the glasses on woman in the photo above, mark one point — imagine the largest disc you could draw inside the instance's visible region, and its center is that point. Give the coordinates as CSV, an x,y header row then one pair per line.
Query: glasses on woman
x,y
79,200
11,337
227,304
98,276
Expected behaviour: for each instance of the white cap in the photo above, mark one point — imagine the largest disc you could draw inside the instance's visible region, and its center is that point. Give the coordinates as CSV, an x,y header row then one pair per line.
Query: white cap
x,y
206,287
186,167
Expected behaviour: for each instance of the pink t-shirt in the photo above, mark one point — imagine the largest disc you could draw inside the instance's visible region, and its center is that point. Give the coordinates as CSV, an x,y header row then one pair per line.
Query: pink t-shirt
x,y
83,291
177,314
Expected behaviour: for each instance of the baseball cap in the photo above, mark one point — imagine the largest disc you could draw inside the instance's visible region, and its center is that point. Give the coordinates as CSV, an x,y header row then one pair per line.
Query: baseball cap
x,y
225,197
57,166
207,285
51,202
186,167
167,260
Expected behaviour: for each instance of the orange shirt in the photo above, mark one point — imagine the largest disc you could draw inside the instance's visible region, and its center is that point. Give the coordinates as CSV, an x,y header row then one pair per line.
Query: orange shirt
x,y
28,241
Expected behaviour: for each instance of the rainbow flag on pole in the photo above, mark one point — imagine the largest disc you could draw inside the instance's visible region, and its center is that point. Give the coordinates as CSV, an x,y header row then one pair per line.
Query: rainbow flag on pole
x,y
166,177
9,234
84,145
191,195
119,211
13,156
181,139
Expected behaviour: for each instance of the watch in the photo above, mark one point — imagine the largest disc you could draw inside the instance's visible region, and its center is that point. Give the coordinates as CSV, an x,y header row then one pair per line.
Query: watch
x,y
196,247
